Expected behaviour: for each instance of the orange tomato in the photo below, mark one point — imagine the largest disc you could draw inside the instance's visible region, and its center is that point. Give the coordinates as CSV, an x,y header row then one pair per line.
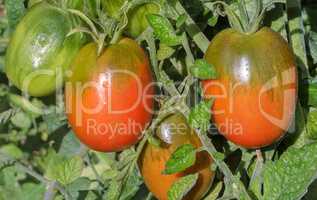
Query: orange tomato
x,y
256,91
109,98
174,133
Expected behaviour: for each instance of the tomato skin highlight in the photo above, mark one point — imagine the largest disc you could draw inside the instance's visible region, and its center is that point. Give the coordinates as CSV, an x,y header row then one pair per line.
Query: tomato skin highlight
x,y
108,98
40,52
153,159
256,91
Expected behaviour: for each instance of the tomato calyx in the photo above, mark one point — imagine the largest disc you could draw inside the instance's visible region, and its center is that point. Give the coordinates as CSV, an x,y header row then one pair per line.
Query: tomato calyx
x,y
238,16
106,29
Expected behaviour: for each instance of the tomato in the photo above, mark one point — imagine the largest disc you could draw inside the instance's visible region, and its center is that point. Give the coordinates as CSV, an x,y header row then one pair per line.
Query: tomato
x,y
73,4
137,16
40,51
174,133
256,91
109,98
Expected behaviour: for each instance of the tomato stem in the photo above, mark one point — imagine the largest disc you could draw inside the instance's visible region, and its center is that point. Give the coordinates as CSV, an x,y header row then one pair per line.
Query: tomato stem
x,y
25,104
241,21
117,36
192,29
86,20
256,179
122,24
244,14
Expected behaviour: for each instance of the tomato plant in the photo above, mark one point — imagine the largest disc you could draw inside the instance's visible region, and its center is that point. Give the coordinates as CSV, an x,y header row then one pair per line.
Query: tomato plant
x,y
40,51
118,131
137,16
256,89
174,132
109,100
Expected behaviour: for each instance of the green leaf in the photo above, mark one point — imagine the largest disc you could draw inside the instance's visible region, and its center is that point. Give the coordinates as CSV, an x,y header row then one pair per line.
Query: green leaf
x,y
109,174
10,186
181,187
203,70
15,10
31,191
5,116
164,52
289,177
54,119
163,30
80,184
312,125
63,169
12,150
91,195
299,138
70,146
21,120
200,115
297,36
183,158
132,185
213,20
313,45
113,191
215,192
277,19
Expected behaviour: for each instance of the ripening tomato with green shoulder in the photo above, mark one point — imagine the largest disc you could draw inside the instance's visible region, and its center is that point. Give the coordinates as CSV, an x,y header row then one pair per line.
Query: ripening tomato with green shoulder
x,y
174,132
40,51
256,89
109,97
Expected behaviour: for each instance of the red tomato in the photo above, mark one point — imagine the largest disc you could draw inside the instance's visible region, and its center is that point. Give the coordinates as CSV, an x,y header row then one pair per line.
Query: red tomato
x,y
109,98
174,132
256,91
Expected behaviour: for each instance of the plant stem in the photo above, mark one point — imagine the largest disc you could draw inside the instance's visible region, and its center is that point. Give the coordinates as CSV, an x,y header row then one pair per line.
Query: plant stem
x,y
187,49
192,29
237,185
25,104
116,36
149,38
149,196
244,14
50,191
98,177
86,20
35,175
256,179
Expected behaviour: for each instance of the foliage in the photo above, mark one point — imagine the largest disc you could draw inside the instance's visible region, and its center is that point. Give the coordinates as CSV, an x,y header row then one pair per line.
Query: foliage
x,y
40,157
181,159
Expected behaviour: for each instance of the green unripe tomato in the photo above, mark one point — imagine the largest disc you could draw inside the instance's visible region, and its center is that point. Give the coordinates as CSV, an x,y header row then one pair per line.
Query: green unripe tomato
x,y
137,16
73,4
33,2
40,52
